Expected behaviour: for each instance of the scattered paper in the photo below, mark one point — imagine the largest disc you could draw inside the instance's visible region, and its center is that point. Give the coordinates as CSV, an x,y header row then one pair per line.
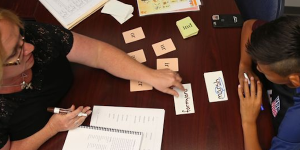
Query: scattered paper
x,y
184,104
133,35
120,11
215,86
170,63
187,27
138,55
163,47
139,86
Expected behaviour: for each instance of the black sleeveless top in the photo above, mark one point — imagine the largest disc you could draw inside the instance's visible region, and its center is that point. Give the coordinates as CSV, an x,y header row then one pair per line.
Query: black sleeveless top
x,y
24,113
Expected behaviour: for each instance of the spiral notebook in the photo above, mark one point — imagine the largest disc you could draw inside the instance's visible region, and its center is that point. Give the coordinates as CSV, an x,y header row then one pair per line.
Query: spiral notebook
x,y
100,138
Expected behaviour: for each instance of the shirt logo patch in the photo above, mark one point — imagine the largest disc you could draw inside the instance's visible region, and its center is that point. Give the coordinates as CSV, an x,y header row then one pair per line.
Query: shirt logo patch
x,y
275,106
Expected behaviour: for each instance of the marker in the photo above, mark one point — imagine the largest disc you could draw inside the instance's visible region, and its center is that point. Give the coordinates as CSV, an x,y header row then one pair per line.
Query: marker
x,y
249,83
56,110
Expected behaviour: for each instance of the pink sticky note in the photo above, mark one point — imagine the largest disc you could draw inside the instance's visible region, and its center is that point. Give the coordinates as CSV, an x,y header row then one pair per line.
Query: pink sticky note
x,y
139,86
138,55
163,47
133,35
171,63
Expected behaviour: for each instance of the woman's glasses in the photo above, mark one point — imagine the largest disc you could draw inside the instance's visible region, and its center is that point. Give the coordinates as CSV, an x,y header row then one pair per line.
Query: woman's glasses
x,y
18,61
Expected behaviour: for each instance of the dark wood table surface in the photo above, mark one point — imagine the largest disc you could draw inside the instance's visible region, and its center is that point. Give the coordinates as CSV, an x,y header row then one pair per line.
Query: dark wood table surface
x,y
213,126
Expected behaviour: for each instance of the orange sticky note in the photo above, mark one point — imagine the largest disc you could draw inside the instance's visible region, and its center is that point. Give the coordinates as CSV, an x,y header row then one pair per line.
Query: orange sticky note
x,y
133,35
139,86
171,63
163,47
138,55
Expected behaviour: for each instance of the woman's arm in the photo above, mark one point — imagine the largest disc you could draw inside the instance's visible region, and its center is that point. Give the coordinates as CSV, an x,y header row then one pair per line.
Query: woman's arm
x,y
98,54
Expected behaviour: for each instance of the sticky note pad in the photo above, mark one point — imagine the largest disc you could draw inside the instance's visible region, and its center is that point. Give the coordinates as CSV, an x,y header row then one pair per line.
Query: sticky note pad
x,y
215,86
138,55
171,63
163,47
133,35
184,104
139,86
187,27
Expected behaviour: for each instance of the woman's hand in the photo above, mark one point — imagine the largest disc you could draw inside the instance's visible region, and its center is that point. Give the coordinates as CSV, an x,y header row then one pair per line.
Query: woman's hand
x,y
164,79
250,101
64,122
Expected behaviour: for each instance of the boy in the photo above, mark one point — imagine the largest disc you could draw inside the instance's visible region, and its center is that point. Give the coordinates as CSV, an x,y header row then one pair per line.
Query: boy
x,y
275,47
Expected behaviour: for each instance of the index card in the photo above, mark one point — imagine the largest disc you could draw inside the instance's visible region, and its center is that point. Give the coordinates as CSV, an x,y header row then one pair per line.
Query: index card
x,y
133,35
184,104
215,86
139,86
117,8
170,63
138,55
164,47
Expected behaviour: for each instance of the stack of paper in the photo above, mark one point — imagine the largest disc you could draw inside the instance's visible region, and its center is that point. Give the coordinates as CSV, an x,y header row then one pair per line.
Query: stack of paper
x,y
149,7
120,11
187,27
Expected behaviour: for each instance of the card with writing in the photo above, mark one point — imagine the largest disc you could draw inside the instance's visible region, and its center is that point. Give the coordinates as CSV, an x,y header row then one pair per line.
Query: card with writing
x,y
139,86
133,35
215,86
171,63
163,47
138,55
184,104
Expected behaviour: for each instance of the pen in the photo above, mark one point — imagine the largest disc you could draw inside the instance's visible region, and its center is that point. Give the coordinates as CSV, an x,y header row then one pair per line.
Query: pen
x,y
56,110
249,83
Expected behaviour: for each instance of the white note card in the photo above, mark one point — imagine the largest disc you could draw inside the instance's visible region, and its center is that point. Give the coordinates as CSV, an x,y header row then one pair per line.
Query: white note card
x,y
149,121
215,86
184,104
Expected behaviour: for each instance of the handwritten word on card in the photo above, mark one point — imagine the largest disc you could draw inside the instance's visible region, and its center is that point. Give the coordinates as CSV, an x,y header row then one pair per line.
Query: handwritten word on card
x,y
215,86
184,104
138,55
133,35
139,86
170,63
163,47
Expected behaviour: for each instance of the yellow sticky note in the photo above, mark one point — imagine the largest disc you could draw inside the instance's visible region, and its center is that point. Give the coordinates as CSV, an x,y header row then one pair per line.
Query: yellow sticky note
x,y
187,27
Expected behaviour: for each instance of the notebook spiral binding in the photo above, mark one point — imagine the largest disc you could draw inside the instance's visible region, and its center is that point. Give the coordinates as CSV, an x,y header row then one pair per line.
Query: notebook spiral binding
x,y
112,130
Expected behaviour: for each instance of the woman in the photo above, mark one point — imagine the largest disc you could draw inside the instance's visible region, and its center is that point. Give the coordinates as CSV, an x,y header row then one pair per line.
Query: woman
x,y
35,74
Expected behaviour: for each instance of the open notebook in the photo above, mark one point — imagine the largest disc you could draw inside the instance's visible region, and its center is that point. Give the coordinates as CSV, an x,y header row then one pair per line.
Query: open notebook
x,y
92,138
71,12
149,121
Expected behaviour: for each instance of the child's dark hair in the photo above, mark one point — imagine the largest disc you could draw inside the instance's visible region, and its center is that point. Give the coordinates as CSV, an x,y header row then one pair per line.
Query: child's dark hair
x,y
277,44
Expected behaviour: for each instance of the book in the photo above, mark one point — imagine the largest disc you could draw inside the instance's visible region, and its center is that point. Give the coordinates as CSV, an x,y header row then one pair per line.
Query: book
x,y
91,138
149,121
71,12
149,7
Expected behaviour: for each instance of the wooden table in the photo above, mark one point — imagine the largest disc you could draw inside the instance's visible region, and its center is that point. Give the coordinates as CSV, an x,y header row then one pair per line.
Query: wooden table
x,y
213,126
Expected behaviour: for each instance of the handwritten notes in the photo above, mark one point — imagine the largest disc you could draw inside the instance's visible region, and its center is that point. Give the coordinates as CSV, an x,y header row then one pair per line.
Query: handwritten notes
x,y
163,47
139,86
138,55
184,104
215,86
133,35
170,63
